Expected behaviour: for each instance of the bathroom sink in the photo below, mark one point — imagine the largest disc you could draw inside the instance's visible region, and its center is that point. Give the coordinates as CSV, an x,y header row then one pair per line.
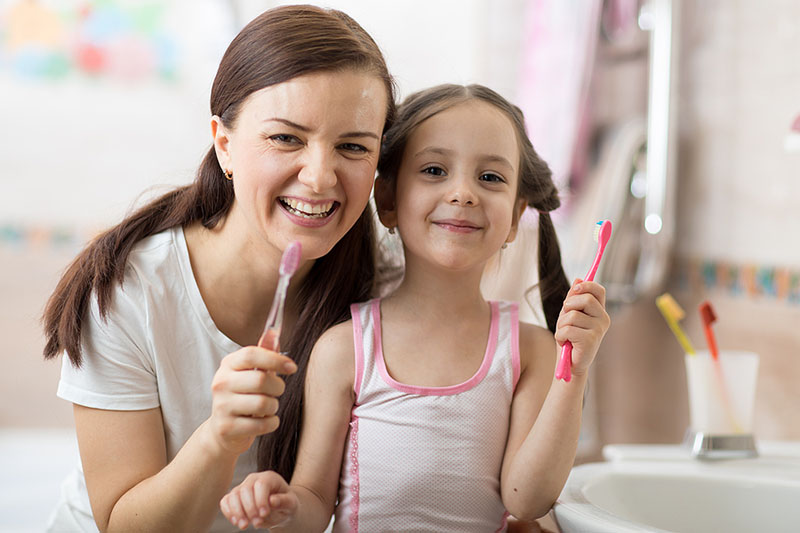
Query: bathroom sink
x,y
668,490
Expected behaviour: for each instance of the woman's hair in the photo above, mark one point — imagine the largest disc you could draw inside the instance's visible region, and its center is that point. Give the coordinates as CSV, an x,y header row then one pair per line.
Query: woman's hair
x,y
535,178
277,46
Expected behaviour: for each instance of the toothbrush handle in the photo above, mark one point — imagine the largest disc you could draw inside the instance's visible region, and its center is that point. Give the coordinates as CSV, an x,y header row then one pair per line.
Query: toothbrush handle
x,y
564,368
270,339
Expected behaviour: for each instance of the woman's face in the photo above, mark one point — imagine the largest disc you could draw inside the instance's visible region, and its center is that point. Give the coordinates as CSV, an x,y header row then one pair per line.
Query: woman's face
x,y
303,154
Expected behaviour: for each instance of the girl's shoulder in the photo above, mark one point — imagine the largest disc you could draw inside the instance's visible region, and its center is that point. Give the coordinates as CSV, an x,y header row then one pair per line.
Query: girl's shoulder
x,y
537,347
334,354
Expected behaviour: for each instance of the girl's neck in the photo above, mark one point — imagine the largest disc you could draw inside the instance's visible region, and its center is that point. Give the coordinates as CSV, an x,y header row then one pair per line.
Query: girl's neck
x,y
433,292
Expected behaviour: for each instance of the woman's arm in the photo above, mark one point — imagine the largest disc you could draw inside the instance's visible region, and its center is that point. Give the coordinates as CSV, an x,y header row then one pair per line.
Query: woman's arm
x,y
261,499
133,488
546,413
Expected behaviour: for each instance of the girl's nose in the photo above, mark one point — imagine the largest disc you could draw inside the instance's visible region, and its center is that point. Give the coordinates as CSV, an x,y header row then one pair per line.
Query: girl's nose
x,y
461,193
317,172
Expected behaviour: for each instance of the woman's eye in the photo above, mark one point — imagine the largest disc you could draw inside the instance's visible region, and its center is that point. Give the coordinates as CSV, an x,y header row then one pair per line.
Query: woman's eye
x,y
492,178
433,171
353,147
284,138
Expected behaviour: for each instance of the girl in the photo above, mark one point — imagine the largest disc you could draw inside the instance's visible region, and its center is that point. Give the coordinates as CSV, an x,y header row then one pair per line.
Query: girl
x,y
160,314
442,406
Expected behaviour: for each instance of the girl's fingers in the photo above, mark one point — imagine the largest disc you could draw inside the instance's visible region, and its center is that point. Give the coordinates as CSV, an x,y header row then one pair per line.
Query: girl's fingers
x,y
589,287
248,504
261,496
284,502
236,514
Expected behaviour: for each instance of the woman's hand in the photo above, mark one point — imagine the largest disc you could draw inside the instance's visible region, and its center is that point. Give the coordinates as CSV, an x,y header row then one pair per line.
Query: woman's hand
x,y
262,499
583,321
245,393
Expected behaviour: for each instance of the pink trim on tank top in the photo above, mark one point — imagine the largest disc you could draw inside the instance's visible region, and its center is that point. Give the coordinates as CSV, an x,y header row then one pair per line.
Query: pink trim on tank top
x,y
515,343
355,488
358,338
436,391
503,523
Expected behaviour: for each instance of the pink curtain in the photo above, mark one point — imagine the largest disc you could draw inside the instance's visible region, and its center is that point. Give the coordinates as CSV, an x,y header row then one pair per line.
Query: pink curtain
x,y
560,42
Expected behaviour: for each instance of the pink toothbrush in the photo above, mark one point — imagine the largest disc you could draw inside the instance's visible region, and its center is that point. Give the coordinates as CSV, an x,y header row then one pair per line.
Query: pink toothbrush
x,y
602,232
290,260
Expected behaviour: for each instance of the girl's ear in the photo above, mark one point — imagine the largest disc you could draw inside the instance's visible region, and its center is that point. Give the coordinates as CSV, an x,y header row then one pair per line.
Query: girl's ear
x,y
519,208
384,202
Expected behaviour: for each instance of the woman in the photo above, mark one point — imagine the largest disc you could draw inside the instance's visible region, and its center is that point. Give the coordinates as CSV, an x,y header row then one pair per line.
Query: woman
x,y
160,314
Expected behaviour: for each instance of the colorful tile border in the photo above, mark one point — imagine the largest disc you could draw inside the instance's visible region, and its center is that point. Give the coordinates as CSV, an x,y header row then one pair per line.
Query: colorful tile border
x,y
61,238
744,280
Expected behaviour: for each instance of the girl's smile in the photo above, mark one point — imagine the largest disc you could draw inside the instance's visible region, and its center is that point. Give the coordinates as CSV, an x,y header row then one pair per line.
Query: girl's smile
x,y
457,225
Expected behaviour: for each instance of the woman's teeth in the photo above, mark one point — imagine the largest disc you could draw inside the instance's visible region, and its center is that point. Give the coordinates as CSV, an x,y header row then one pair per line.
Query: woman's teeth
x,y
303,209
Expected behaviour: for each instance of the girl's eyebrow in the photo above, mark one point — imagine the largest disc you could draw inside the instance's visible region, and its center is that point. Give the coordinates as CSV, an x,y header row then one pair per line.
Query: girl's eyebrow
x,y
489,158
306,129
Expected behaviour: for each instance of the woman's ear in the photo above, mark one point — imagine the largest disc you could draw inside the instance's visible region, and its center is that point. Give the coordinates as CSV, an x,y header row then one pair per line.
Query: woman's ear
x,y
519,208
221,143
384,201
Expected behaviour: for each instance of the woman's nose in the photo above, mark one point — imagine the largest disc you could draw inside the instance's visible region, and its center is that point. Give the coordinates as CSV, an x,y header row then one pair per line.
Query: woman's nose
x,y
318,172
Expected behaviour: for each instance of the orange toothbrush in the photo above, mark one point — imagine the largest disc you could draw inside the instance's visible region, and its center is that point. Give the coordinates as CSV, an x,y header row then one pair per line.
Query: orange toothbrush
x,y
708,317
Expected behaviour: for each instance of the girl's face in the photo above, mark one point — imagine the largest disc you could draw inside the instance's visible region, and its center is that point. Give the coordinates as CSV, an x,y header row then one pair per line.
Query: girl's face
x,y
455,200
303,155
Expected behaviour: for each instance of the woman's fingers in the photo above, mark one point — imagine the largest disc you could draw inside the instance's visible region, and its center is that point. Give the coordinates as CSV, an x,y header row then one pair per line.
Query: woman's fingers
x,y
253,357
251,381
245,395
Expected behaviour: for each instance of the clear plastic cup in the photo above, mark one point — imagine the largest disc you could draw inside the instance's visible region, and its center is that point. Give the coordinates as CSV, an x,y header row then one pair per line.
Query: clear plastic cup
x,y
722,394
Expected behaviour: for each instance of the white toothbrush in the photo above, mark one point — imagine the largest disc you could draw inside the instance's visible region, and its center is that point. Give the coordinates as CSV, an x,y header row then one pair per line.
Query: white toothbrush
x,y
290,260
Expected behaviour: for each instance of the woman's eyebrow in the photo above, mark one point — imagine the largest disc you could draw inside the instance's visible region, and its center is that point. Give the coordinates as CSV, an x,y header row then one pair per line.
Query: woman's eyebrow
x,y
306,129
289,123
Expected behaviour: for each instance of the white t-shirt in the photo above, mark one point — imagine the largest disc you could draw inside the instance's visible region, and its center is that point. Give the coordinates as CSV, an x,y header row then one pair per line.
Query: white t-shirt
x,y
158,347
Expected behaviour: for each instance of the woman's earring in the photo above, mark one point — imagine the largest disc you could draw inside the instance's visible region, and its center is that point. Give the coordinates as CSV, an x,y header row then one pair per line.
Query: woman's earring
x,y
228,175
505,245
391,230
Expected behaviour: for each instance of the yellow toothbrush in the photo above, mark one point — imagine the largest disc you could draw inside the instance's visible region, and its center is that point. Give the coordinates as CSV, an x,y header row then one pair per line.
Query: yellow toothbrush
x,y
673,313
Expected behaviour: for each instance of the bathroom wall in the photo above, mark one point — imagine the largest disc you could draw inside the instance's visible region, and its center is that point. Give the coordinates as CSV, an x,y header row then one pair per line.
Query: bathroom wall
x,y
738,226
78,149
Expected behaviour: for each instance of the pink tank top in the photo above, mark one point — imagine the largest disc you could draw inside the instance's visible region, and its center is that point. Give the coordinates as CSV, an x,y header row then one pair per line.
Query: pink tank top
x,y
427,458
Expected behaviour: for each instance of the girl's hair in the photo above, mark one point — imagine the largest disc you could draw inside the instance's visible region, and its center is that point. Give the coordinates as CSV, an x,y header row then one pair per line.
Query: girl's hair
x,y
278,45
535,178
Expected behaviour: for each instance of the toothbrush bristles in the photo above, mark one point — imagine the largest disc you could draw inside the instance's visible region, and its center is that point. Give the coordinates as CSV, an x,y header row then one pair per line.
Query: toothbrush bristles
x,y
597,227
290,259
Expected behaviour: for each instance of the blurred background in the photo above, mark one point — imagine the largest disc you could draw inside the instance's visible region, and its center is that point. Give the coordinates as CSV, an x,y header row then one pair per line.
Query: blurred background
x,y
677,120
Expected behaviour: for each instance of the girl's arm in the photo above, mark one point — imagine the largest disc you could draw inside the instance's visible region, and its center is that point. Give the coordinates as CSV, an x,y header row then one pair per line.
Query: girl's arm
x,y
308,503
133,488
546,413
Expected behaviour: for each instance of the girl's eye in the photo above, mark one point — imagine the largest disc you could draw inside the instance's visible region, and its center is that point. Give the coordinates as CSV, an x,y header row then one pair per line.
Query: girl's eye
x,y
353,147
433,171
492,178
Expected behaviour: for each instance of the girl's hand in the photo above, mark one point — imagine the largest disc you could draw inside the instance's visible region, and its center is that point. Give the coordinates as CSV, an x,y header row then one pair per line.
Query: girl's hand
x,y
245,393
262,499
583,321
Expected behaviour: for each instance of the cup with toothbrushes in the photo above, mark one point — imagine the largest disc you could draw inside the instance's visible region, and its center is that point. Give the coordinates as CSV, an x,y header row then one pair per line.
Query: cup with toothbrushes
x,y
721,383
721,393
